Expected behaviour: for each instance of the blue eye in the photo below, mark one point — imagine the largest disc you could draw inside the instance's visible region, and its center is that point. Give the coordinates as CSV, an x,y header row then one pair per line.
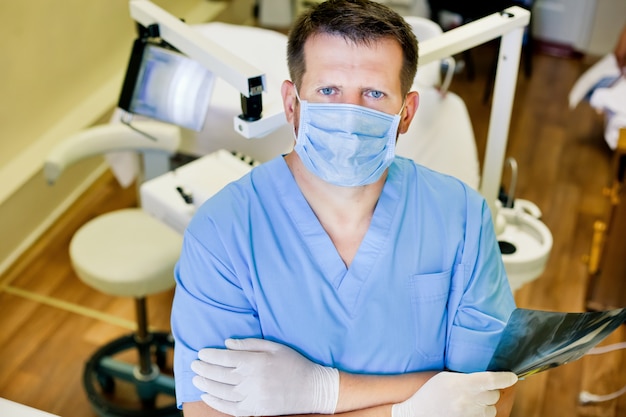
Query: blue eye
x,y
326,91
376,94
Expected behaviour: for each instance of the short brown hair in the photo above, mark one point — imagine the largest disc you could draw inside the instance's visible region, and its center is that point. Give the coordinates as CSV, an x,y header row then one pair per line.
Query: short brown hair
x,y
360,21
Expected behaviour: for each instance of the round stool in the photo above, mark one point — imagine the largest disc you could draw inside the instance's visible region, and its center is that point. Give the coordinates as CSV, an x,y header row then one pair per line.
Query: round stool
x,y
129,253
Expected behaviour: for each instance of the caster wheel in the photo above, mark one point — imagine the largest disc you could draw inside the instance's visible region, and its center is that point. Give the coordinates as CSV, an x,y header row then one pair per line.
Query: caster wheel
x,y
161,357
106,382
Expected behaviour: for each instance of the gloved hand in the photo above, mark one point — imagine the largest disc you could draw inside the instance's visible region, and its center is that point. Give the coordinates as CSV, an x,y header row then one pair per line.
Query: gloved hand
x,y
450,394
255,377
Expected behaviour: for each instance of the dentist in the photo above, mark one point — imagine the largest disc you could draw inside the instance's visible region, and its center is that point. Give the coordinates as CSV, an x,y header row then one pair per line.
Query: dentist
x,y
340,278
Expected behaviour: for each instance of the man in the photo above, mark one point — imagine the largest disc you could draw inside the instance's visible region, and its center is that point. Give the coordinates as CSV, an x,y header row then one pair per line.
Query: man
x,y
340,278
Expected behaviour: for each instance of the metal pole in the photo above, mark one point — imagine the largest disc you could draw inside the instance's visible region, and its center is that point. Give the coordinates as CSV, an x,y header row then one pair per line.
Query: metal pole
x,y
501,108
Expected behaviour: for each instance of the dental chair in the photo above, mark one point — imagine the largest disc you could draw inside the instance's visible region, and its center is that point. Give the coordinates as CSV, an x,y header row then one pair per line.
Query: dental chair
x,y
126,253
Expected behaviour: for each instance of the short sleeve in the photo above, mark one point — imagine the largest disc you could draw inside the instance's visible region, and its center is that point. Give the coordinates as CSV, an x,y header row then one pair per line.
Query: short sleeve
x,y
480,297
209,305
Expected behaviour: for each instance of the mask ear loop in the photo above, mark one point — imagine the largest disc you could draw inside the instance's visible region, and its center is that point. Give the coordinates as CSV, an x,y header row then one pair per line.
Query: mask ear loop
x,y
402,108
295,135
295,89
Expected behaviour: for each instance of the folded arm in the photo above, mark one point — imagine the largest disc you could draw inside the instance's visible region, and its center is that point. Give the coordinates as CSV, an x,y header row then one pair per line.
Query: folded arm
x,y
256,377
503,406
362,395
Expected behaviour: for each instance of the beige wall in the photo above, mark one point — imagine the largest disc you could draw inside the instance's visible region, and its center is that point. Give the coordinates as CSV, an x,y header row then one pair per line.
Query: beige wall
x,y
54,53
61,67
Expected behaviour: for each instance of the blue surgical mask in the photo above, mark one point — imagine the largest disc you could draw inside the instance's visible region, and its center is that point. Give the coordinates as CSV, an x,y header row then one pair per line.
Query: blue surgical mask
x,y
346,144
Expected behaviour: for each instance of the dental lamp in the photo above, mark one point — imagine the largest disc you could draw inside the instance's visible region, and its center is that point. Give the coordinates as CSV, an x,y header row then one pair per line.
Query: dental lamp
x,y
170,75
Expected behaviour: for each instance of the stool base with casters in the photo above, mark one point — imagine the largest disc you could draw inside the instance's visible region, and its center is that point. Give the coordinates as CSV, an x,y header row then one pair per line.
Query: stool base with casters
x,y
128,253
153,389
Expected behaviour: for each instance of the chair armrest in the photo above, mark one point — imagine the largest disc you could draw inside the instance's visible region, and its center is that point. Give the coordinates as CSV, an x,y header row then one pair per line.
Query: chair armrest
x,y
102,139
447,79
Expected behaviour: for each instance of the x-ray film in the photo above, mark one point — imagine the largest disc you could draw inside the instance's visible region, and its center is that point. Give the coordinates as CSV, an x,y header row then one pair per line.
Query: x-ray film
x,y
534,341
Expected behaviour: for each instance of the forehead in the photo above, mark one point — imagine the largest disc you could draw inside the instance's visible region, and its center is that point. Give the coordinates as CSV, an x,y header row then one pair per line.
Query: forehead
x,y
332,58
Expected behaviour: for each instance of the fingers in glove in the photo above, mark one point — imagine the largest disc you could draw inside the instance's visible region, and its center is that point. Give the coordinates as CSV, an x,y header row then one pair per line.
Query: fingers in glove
x,y
217,390
487,381
216,372
490,411
488,397
225,357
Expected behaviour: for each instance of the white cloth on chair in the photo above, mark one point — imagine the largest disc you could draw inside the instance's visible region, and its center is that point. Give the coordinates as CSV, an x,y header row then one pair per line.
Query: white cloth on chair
x,y
612,101
604,87
441,137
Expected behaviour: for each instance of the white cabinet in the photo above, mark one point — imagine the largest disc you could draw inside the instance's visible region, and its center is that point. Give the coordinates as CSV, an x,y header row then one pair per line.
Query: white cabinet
x,y
587,26
608,21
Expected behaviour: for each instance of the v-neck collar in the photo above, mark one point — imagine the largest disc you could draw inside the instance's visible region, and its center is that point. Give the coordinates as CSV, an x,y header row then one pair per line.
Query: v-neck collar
x,y
347,281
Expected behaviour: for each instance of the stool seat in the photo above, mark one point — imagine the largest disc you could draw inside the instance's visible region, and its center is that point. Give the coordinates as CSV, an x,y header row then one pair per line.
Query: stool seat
x,y
126,253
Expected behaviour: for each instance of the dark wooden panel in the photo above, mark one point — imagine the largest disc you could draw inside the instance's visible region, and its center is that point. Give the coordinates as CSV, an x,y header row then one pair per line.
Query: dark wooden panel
x,y
607,284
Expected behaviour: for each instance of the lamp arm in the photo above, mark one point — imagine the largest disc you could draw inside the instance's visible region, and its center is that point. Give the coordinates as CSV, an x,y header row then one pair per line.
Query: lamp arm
x,y
472,34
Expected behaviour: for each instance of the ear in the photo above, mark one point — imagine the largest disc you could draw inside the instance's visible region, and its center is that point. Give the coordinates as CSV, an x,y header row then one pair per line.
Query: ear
x,y
410,107
289,100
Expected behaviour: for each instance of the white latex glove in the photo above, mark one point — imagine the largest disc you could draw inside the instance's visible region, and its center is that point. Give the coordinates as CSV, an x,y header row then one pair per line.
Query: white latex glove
x,y
450,394
255,377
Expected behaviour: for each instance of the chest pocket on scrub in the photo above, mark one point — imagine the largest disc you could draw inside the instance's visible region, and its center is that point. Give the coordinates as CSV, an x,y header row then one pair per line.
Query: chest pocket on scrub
x,y
429,298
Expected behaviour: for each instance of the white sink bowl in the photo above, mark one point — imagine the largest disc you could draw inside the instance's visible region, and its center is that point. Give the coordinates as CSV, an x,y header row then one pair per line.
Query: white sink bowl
x,y
525,243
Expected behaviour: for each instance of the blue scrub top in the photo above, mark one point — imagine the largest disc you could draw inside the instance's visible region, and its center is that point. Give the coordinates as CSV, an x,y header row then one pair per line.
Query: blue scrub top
x,y
426,290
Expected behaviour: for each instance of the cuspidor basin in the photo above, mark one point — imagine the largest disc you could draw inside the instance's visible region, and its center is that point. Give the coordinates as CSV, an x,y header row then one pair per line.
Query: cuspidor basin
x,y
525,243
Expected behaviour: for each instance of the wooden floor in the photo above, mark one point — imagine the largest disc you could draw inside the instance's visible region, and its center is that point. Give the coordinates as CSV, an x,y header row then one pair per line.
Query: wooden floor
x,y
51,322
